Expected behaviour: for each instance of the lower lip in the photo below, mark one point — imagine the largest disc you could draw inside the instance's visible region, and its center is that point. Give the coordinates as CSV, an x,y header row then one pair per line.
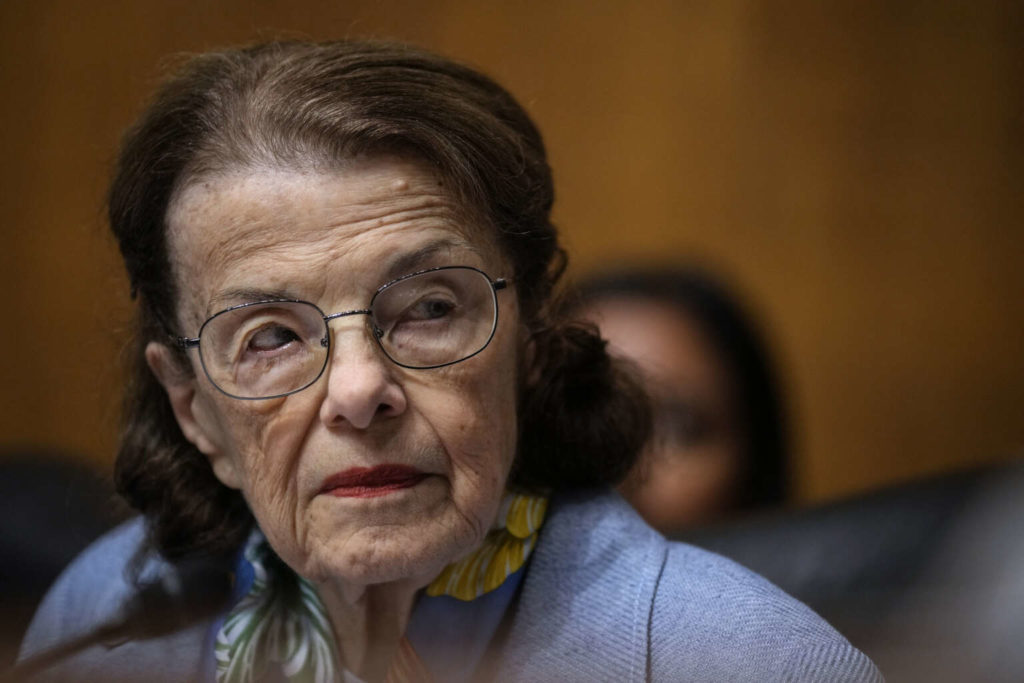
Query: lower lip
x,y
372,482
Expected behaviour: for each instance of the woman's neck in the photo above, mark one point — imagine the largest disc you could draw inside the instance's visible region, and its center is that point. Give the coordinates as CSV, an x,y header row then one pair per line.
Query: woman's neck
x,y
369,623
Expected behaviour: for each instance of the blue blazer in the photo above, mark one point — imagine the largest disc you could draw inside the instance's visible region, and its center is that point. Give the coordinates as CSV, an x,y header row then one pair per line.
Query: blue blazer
x,y
605,598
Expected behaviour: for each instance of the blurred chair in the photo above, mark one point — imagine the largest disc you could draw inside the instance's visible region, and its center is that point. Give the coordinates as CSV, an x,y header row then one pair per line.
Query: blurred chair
x,y
926,577
52,507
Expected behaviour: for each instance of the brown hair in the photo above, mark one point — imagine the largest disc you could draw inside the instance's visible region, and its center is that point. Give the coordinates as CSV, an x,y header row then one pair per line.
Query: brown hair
x,y
291,104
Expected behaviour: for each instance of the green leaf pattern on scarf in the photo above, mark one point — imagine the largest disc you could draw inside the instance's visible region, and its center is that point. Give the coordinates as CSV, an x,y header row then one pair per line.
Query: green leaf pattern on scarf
x,y
280,620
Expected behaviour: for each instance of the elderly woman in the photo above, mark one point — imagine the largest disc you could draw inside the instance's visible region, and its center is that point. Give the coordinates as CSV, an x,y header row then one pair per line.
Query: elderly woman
x,y
353,388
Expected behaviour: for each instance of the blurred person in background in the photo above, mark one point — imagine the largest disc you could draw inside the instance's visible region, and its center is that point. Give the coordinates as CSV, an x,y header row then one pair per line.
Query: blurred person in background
x,y
719,444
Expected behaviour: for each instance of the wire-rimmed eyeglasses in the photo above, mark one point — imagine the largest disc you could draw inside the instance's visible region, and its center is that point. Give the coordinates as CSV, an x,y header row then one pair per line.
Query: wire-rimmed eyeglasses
x,y
428,319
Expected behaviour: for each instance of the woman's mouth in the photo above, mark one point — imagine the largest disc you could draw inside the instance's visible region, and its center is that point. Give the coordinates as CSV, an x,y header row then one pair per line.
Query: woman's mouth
x,y
370,482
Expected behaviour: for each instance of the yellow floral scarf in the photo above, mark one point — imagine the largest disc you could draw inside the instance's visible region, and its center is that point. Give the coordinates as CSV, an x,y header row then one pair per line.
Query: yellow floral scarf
x,y
501,554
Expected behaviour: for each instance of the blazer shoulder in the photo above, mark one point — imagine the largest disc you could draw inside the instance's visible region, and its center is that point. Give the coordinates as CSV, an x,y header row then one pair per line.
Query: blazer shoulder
x,y
748,628
584,606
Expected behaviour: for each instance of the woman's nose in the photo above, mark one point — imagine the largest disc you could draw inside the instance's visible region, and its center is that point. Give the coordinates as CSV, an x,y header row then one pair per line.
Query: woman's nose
x,y
361,381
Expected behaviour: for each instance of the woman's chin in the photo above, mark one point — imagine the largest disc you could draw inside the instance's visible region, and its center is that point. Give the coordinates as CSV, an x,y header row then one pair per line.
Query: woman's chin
x,y
409,535
407,556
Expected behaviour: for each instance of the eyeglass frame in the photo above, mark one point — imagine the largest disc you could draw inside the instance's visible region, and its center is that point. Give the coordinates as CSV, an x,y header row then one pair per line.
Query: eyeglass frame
x,y
186,343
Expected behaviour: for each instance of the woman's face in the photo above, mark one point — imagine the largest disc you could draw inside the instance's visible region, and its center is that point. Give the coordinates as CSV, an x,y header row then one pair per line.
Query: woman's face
x,y
689,473
332,239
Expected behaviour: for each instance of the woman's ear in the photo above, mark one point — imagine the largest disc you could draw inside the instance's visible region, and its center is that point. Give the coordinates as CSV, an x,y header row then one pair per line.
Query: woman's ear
x,y
191,411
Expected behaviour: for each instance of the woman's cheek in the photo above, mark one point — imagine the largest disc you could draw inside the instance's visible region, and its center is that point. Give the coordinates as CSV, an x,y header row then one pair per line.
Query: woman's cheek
x,y
268,446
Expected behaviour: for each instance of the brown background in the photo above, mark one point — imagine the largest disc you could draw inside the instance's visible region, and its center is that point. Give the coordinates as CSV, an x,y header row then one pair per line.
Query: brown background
x,y
852,166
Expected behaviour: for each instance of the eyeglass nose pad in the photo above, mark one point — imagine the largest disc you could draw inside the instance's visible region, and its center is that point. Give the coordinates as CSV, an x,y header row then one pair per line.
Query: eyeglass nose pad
x,y
378,333
325,342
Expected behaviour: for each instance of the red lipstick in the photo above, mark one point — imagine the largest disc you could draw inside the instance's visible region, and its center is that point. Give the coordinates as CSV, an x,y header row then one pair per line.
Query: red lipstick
x,y
370,482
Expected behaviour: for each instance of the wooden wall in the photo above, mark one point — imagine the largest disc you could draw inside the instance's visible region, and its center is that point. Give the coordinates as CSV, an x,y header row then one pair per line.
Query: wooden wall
x,y
853,166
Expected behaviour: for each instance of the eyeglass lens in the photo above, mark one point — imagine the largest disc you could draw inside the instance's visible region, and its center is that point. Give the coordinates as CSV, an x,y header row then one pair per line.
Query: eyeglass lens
x,y
427,320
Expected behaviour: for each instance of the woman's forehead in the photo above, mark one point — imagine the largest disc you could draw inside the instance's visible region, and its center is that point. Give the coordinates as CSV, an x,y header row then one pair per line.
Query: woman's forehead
x,y
271,205
373,217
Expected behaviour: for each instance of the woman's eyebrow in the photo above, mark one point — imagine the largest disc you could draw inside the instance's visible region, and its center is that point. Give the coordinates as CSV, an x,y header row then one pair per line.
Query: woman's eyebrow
x,y
411,261
403,264
244,295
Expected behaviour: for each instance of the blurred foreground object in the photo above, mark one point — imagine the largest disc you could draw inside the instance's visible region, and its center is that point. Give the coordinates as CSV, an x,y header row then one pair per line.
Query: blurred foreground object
x,y
190,591
719,443
53,507
926,577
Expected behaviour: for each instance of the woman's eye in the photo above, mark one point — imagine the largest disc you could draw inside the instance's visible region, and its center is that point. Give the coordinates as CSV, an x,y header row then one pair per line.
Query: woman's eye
x,y
271,338
430,309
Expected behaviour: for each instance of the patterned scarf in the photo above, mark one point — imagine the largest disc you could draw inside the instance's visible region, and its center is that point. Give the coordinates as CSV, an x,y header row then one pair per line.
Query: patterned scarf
x,y
282,621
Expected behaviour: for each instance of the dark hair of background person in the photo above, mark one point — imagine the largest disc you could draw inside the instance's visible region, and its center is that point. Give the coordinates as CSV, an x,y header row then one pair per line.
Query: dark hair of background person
x,y
695,293
304,106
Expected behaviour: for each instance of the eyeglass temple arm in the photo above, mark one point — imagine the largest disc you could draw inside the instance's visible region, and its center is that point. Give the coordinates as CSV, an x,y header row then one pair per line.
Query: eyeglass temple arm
x,y
500,283
186,343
